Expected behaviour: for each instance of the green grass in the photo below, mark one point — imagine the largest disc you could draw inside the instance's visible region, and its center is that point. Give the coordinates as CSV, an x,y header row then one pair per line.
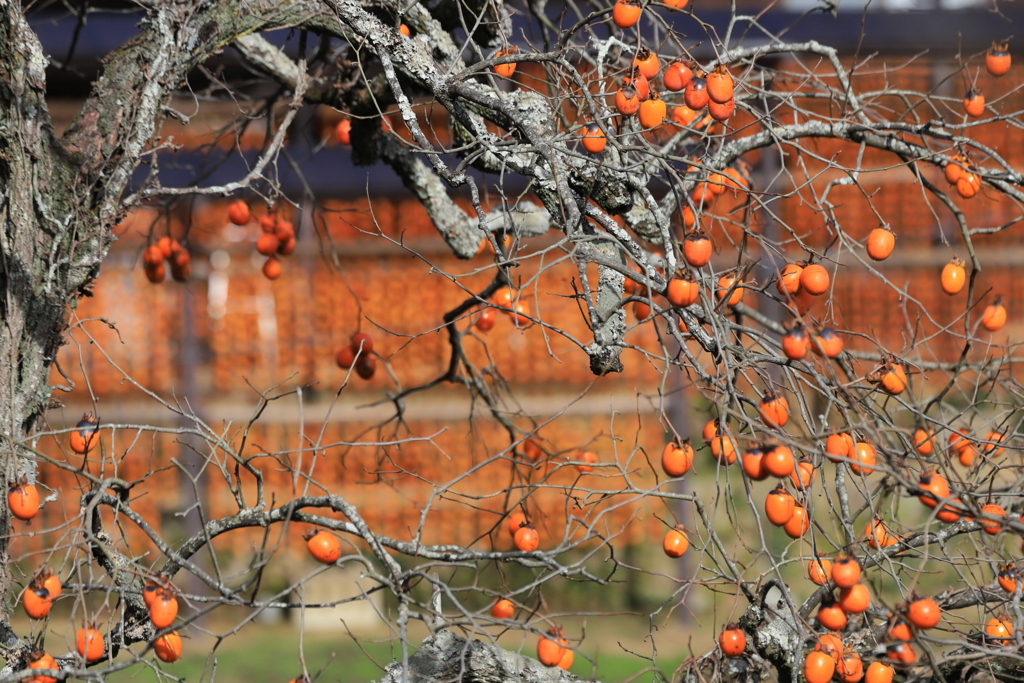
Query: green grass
x,y
270,653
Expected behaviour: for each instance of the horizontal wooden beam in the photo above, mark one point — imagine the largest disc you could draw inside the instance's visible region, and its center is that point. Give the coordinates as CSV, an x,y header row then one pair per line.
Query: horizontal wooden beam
x,y
354,408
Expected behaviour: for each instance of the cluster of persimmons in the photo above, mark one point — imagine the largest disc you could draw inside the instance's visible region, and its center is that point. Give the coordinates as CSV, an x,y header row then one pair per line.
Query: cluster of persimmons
x,y
45,588
798,284
773,460
358,352
169,250
278,238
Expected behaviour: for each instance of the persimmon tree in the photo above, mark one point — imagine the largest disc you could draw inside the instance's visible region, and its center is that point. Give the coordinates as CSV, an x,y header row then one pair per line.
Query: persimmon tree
x,y
631,148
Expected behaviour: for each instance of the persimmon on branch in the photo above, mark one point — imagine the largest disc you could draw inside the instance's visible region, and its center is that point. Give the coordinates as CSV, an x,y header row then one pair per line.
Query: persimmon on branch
x,y
879,134
864,440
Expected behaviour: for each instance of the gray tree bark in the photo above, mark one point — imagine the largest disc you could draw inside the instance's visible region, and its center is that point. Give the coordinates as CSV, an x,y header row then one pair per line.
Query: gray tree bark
x,y
447,657
59,198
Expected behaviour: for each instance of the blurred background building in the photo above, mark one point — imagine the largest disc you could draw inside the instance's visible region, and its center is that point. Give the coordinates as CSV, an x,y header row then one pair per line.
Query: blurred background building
x,y
229,332
369,259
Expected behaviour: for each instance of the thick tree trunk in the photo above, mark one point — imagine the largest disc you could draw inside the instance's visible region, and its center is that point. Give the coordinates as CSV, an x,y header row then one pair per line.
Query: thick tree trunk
x,y
50,249
60,197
